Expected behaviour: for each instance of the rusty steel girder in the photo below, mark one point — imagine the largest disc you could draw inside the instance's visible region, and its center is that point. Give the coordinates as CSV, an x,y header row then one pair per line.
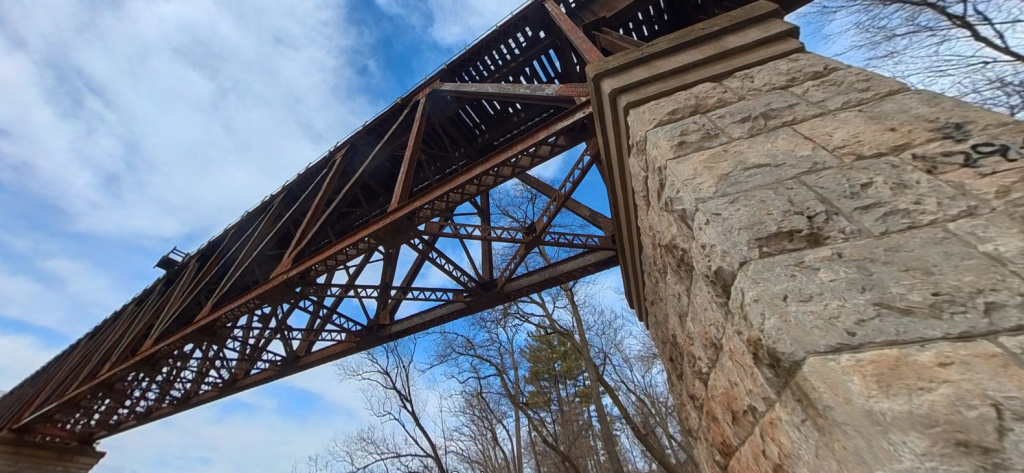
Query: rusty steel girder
x,y
285,288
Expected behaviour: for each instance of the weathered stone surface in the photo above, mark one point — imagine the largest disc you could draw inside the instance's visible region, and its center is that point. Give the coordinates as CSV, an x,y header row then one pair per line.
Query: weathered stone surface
x,y
678,106
942,407
17,456
682,138
780,74
781,218
888,195
914,286
707,457
957,156
737,398
999,234
848,88
690,403
702,98
786,441
749,285
667,278
666,263
1001,190
766,113
705,326
1015,343
740,166
897,124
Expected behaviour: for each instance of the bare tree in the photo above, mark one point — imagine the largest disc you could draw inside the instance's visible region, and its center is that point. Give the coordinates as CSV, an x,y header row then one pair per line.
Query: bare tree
x,y
483,355
549,383
394,389
970,49
542,311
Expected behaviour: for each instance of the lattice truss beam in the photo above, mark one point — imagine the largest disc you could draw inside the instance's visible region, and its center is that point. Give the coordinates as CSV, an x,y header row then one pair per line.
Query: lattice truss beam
x,y
389,233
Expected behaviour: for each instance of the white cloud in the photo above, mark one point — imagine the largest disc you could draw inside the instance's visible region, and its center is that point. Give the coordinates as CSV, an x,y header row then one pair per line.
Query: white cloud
x,y
67,296
452,22
140,122
246,433
457,22
150,122
157,119
20,356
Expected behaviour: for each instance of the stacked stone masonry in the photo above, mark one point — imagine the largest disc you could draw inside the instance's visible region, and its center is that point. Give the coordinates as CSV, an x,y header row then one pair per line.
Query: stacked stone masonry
x,y
834,271
19,457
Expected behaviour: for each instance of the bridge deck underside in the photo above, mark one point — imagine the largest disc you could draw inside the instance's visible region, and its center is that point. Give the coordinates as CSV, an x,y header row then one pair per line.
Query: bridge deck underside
x,y
397,215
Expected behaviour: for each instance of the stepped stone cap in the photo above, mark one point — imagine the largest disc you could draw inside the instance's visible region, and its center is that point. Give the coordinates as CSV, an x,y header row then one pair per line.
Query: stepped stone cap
x,y
746,37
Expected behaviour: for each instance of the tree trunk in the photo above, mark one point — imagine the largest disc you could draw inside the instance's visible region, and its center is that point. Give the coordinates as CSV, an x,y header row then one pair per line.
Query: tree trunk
x,y
517,420
607,436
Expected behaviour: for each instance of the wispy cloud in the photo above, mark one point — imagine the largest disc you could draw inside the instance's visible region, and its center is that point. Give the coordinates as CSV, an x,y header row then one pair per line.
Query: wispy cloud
x,y
20,355
159,119
126,125
451,22
257,431
85,295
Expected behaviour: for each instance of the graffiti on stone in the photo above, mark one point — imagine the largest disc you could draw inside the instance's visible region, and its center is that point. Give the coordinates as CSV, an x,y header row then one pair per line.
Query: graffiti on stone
x,y
971,156
958,132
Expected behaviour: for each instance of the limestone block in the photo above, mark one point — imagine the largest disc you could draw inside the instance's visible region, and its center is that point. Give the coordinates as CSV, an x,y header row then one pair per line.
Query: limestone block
x,y
786,72
678,106
786,441
888,195
738,398
681,105
666,330
666,263
667,279
19,456
690,403
964,154
706,456
943,407
1014,342
741,166
908,287
682,138
848,88
897,124
781,218
705,326
999,234
766,113
1002,190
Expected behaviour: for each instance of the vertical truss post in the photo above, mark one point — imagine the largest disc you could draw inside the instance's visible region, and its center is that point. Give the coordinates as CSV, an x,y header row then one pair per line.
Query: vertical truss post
x,y
576,36
412,152
410,277
486,249
387,281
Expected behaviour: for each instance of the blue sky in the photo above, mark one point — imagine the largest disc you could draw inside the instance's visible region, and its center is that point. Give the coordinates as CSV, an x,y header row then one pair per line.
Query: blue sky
x,y
128,127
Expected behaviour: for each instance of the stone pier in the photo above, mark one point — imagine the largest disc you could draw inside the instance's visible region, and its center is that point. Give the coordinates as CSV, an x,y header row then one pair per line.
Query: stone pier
x,y
22,457
830,263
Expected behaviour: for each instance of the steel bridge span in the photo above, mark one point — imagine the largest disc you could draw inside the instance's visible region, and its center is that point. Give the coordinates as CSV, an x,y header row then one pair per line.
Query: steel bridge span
x,y
266,298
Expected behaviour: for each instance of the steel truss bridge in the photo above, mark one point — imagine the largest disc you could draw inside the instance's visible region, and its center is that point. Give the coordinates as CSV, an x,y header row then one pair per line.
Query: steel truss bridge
x,y
266,298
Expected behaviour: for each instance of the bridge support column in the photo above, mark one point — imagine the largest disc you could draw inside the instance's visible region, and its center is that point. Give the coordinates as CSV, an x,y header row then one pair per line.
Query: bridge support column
x,y
17,456
829,262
